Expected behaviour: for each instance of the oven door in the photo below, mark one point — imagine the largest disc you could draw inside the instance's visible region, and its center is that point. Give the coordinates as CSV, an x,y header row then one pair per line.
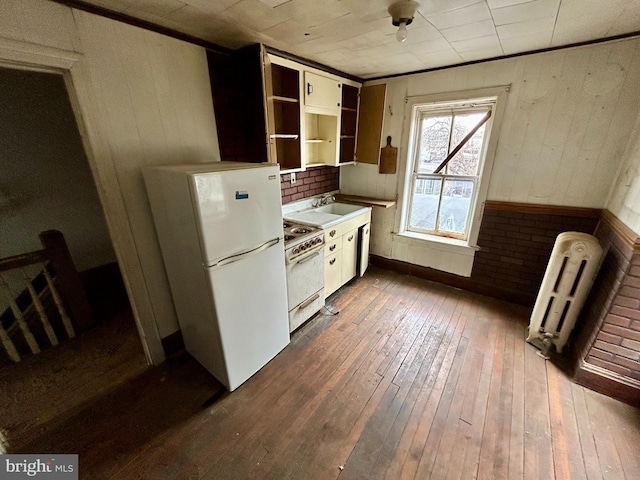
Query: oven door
x,y
305,276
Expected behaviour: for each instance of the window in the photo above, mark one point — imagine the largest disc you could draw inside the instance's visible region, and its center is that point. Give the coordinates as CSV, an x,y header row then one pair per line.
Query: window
x,y
440,197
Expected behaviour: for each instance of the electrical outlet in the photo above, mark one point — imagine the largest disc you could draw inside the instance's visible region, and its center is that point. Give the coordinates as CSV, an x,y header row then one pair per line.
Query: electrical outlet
x,y
293,178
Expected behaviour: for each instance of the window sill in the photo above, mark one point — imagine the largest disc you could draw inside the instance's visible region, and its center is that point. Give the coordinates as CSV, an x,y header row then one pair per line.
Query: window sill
x,y
453,245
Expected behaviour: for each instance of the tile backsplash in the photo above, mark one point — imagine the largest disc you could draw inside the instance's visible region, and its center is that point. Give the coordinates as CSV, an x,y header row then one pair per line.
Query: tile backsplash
x,y
312,182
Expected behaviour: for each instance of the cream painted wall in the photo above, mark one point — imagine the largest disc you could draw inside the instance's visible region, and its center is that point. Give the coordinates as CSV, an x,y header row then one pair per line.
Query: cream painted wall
x,y
147,101
625,197
568,118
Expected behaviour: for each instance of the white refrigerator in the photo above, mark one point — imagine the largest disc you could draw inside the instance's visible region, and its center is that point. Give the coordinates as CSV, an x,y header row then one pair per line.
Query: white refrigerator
x,y
219,226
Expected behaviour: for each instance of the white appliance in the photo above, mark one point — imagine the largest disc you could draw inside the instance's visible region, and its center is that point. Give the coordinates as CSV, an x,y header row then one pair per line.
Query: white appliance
x,y
220,230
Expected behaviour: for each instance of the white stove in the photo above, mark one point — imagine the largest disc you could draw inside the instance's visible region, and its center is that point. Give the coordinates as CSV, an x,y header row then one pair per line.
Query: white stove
x,y
304,258
300,239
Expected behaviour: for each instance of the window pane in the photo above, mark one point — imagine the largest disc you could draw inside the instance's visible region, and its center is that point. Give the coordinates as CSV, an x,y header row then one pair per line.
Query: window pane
x,y
424,206
454,211
466,160
434,142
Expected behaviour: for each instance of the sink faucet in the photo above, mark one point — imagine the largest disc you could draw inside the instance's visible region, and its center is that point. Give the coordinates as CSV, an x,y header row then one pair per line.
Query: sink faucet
x,y
324,200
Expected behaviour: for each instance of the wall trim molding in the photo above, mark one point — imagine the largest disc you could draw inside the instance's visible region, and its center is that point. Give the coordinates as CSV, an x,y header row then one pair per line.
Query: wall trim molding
x,y
456,281
608,383
627,235
539,209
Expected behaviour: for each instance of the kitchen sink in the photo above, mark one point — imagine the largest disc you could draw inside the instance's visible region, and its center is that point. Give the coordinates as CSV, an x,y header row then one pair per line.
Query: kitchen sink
x,y
338,208
326,215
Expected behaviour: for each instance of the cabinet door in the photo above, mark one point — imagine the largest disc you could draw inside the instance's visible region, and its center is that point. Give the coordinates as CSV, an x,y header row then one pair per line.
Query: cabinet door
x,y
282,96
349,123
349,255
363,248
321,91
332,273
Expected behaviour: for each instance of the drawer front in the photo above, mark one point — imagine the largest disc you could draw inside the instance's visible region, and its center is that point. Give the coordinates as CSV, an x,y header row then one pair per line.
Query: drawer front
x,y
333,233
305,310
332,273
332,247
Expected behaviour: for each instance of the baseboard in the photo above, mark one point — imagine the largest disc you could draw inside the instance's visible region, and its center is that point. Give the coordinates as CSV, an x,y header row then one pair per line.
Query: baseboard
x,y
452,280
608,383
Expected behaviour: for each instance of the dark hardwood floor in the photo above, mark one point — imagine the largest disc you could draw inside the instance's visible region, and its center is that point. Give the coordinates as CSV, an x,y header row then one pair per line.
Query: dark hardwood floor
x,y
411,380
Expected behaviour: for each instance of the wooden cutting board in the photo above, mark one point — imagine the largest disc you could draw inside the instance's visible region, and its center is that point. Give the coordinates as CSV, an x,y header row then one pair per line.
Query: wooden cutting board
x,y
388,158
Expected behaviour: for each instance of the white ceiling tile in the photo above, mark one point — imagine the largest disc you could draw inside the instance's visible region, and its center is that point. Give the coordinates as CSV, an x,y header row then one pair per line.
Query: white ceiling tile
x,y
480,54
461,16
472,30
438,59
358,37
254,15
480,43
524,43
505,3
274,3
431,7
628,21
525,11
538,26
312,12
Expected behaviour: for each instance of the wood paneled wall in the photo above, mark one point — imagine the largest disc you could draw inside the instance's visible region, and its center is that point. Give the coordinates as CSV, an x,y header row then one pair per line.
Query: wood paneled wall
x,y
568,120
148,102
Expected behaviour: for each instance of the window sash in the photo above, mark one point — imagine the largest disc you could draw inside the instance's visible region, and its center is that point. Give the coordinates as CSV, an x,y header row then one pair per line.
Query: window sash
x,y
443,178
444,175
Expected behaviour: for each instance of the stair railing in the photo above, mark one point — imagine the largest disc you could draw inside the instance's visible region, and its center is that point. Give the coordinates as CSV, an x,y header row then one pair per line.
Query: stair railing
x,y
65,289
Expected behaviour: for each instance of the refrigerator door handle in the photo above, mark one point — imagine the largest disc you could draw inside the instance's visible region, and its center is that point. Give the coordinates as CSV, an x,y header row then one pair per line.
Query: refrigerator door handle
x,y
247,253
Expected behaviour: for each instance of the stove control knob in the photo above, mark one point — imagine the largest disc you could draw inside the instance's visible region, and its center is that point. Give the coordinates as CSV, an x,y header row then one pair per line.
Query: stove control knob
x,y
303,247
296,250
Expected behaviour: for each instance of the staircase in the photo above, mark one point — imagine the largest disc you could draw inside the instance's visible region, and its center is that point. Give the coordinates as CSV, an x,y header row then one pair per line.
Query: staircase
x,y
44,298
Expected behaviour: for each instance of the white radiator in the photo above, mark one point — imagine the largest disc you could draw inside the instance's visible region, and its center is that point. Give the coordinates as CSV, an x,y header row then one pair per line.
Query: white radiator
x,y
574,262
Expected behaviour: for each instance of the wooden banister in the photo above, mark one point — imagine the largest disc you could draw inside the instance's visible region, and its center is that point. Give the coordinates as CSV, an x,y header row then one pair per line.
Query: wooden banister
x,y
22,260
67,277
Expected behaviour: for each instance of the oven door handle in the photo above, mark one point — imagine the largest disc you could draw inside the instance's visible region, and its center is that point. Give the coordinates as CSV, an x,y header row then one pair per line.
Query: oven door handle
x,y
306,259
309,301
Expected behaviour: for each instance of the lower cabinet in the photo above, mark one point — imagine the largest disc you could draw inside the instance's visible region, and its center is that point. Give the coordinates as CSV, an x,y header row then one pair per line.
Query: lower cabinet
x,y
346,251
349,255
363,248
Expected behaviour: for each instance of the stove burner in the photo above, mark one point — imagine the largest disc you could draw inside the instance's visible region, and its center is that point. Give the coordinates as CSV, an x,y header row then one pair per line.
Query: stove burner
x,y
301,230
289,237
285,225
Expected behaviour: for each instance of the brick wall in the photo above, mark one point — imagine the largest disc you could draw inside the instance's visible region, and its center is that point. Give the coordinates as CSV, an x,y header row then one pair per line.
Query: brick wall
x,y
612,314
516,243
312,182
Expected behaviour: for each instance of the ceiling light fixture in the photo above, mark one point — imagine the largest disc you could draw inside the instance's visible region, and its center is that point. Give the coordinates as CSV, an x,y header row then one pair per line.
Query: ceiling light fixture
x,y
402,13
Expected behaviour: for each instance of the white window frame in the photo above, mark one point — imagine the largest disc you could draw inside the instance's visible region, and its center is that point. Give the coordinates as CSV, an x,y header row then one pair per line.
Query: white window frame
x,y
416,104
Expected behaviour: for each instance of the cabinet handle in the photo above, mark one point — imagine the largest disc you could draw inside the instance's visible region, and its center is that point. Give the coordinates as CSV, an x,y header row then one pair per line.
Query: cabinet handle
x,y
332,233
309,301
350,238
332,248
332,261
309,89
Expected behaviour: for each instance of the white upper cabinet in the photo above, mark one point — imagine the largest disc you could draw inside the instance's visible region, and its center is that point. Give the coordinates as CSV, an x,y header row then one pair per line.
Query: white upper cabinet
x,y
322,92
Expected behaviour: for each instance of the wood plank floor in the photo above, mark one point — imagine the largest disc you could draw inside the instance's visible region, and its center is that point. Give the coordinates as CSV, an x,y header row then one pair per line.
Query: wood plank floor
x,y
411,380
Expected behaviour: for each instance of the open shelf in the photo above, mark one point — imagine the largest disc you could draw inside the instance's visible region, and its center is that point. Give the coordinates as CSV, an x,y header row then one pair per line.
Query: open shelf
x,y
348,123
276,98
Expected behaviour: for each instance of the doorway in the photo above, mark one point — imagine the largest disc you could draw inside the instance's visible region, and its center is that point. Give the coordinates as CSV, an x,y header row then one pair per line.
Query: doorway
x,y
47,184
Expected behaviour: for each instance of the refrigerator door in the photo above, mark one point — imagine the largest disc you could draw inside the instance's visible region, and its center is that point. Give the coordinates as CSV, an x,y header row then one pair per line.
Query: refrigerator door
x,y
238,210
250,304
